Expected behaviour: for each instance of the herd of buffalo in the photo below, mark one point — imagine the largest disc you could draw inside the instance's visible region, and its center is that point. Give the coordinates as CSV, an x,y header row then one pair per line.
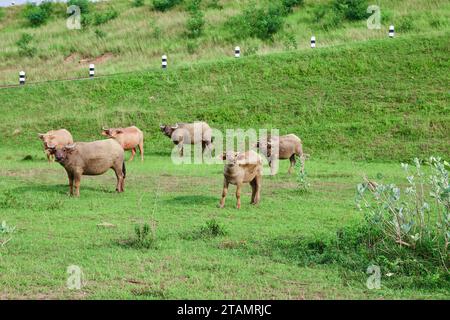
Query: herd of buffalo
x,y
97,157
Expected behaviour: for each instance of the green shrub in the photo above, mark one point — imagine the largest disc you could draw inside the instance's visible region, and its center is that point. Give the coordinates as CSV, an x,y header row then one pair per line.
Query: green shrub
x,y
327,18
196,20
164,5
259,22
25,47
137,3
2,14
352,9
38,15
84,5
290,4
103,17
192,46
212,229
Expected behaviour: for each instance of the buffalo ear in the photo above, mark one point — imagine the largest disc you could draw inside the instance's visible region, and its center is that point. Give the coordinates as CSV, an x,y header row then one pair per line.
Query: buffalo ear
x,y
161,127
41,136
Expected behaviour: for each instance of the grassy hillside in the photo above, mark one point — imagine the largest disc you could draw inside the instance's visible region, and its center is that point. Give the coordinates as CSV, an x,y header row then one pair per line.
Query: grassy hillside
x,y
380,99
137,38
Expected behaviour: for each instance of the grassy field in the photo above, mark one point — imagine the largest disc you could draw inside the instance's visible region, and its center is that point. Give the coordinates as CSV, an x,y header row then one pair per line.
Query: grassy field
x,y
360,108
138,37
249,262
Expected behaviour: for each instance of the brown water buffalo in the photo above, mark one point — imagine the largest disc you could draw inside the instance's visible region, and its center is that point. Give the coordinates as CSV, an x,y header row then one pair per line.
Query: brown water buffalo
x,y
282,147
91,159
59,138
240,168
190,133
129,138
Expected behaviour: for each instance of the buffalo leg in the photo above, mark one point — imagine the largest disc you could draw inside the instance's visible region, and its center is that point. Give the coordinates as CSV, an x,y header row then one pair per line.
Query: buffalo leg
x,y
120,177
76,184
141,150
254,186
70,176
257,182
238,195
133,152
292,160
224,193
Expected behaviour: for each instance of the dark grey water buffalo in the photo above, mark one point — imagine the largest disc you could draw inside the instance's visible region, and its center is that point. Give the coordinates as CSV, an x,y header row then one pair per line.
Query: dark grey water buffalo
x,y
189,133
240,168
282,147
91,158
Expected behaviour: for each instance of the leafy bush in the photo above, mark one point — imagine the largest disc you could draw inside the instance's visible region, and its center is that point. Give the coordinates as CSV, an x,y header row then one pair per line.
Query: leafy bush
x,y
2,14
326,18
196,20
25,47
302,176
137,3
352,9
164,5
290,4
83,4
38,14
259,22
422,215
103,17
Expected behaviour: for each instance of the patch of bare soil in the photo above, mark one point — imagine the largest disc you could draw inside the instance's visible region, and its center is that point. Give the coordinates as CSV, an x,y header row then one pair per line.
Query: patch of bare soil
x,y
100,59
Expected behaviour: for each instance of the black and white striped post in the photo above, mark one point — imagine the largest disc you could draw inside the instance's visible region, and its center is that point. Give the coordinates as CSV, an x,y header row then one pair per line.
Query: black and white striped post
x,y
22,77
237,52
91,70
313,42
164,62
391,31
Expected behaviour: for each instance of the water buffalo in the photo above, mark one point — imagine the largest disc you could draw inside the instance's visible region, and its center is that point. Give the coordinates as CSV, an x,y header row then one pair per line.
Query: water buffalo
x,y
242,167
58,138
282,147
129,138
91,158
190,133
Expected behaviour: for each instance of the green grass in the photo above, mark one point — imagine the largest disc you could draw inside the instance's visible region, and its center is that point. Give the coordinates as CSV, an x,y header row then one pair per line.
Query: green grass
x,y
138,37
55,231
360,108
370,101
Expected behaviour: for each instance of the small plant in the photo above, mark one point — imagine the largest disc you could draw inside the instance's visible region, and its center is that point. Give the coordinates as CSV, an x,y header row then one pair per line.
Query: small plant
x,y
212,229
137,3
327,18
100,33
164,5
145,237
25,47
192,47
5,231
38,14
2,14
303,184
289,41
196,20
